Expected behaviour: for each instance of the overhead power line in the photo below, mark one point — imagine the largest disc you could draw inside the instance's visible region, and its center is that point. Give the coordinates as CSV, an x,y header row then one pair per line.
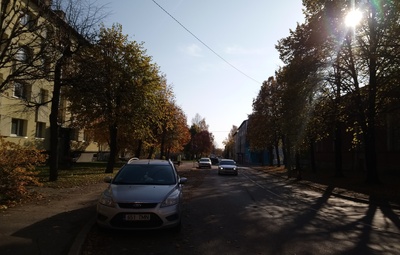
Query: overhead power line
x,y
208,47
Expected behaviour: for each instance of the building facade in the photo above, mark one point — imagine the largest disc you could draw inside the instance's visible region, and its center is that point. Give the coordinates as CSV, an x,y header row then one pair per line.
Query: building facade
x,y
243,154
33,36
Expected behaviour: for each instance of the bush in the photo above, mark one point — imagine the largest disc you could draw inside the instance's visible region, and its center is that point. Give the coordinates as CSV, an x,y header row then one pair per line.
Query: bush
x,y
17,170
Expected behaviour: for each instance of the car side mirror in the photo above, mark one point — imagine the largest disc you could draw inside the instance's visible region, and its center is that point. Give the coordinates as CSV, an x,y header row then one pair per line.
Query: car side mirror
x,y
182,180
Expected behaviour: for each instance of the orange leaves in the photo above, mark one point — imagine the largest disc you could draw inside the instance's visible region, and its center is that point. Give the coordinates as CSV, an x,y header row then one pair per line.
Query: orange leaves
x,y
17,170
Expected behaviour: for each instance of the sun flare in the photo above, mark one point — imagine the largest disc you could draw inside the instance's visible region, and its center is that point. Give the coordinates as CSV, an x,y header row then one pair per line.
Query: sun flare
x,y
353,18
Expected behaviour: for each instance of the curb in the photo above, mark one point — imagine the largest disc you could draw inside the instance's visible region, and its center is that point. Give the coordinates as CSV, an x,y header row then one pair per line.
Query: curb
x,y
80,239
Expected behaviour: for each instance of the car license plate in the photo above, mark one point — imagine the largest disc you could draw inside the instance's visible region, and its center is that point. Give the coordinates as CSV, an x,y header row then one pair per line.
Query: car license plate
x,y
137,217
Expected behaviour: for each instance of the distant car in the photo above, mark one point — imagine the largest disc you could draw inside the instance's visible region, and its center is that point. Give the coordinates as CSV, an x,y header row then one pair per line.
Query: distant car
x,y
144,194
227,166
214,161
205,162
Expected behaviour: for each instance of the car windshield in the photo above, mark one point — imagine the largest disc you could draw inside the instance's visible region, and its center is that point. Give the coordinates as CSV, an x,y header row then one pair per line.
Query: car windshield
x,y
145,175
205,159
227,162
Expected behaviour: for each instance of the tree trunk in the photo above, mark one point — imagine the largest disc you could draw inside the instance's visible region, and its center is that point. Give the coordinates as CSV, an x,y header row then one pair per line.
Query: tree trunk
x,y
113,148
369,136
139,149
312,157
287,156
53,119
278,158
370,157
338,150
298,166
151,152
271,155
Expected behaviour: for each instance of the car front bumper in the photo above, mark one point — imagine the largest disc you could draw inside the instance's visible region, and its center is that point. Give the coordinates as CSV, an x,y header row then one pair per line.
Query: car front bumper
x,y
149,218
227,171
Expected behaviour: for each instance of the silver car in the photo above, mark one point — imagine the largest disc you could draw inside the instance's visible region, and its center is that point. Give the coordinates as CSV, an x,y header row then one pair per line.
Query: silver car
x,y
227,166
144,194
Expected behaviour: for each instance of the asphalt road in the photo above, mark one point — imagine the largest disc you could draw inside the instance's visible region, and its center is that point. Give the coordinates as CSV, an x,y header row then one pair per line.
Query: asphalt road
x,y
257,213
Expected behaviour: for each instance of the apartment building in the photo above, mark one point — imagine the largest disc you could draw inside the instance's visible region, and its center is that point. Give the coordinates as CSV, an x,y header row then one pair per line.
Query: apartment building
x,y
29,47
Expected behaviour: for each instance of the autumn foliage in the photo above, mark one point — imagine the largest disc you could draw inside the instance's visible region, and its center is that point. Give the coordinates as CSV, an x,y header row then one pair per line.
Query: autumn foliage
x,y
17,170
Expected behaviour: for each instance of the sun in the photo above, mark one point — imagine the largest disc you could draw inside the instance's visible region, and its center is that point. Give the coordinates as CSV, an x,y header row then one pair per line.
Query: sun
x,y
353,18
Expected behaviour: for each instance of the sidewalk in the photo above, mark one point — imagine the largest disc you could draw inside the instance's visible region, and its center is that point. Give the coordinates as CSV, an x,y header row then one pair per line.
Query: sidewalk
x,y
51,225
351,185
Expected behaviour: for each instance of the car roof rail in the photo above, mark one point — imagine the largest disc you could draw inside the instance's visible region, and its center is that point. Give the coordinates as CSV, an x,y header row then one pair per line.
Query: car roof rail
x,y
132,159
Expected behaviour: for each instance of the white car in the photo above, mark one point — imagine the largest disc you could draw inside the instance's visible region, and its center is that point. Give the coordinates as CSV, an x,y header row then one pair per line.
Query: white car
x,y
205,162
144,194
227,166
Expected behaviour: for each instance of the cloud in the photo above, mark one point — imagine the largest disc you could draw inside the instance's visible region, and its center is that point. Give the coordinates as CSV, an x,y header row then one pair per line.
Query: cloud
x,y
193,50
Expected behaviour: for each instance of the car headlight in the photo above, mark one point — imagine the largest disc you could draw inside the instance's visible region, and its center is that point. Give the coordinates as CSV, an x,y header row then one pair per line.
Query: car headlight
x,y
172,199
106,199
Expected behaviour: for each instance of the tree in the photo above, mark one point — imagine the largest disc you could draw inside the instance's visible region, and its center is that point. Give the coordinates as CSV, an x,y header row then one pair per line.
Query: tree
x,y
264,132
74,28
202,140
178,136
229,142
38,39
360,65
118,90
367,64
22,30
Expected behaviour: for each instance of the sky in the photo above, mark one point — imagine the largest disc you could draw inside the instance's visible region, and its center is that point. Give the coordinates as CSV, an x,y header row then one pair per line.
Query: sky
x,y
215,54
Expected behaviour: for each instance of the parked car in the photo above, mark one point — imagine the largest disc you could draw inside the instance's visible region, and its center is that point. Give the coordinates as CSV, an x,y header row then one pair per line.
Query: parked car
x,y
144,194
227,166
205,162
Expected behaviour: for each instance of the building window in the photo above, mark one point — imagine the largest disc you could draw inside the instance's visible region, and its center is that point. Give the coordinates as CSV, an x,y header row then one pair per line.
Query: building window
x,y
43,96
45,65
23,55
17,127
22,90
27,20
19,90
40,129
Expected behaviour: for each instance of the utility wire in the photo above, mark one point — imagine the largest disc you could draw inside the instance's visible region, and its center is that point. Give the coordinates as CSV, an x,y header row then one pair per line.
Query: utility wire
x,y
208,47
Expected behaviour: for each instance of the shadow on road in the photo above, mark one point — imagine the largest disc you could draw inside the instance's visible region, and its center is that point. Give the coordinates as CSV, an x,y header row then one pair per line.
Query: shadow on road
x,y
53,235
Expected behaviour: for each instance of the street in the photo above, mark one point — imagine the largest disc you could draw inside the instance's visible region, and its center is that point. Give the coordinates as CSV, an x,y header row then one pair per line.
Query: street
x,y
258,213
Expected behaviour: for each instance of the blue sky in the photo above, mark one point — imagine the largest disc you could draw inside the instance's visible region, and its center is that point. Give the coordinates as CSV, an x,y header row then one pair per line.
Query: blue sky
x,y
218,84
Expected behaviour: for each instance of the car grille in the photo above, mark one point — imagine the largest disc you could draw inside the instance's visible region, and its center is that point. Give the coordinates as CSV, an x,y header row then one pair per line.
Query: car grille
x,y
118,221
137,205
